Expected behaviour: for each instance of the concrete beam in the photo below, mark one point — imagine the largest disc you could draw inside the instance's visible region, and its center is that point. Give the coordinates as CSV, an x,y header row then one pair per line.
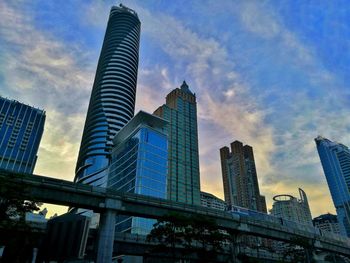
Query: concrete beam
x,y
50,190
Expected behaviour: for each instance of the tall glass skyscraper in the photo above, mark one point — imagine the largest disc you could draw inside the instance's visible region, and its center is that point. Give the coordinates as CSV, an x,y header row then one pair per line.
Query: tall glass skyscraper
x,y
335,159
21,128
241,187
139,165
112,99
183,160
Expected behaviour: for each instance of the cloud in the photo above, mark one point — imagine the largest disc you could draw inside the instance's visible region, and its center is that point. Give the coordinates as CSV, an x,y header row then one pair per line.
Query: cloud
x,y
153,85
60,145
231,79
228,108
39,68
263,23
221,93
43,71
48,73
261,20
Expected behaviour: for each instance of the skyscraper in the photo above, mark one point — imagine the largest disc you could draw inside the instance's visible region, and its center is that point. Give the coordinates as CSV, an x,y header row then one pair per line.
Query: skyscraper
x,y
293,209
139,165
183,160
112,99
335,159
240,180
21,128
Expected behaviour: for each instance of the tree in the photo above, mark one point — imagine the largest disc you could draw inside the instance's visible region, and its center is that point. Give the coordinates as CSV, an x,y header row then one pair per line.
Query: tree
x,y
168,232
195,234
15,233
206,233
298,250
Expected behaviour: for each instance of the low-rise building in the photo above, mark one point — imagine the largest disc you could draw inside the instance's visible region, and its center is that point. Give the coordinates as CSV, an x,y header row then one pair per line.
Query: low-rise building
x,y
289,207
327,222
210,200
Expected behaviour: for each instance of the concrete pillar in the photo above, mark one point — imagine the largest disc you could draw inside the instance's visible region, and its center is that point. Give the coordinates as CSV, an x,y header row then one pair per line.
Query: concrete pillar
x,y
235,247
106,236
35,253
309,255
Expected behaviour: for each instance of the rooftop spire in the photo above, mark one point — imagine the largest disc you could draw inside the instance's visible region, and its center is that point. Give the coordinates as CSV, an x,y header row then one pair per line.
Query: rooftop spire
x,y
184,87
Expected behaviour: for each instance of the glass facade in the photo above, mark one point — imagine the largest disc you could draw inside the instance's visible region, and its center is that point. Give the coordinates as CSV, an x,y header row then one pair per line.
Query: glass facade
x,y
183,174
335,159
112,99
21,128
139,165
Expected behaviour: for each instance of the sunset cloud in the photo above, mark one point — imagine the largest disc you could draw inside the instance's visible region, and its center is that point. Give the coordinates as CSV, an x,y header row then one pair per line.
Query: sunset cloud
x,y
261,75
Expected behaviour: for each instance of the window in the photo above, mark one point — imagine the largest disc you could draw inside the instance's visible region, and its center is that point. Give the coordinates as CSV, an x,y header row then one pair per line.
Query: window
x,y
10,120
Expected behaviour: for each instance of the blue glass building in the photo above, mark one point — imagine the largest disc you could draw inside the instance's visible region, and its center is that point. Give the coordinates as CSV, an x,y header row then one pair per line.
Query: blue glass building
x,y
183,158
139,165
112,100
21,128
335,159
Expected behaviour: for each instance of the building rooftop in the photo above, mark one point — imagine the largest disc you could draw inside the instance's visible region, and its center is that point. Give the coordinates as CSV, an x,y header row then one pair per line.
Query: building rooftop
x,y
184,87
320,139
123,8
16,101
328,216
141,118
211,195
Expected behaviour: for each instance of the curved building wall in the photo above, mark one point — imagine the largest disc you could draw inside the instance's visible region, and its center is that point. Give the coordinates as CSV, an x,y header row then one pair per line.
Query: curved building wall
x,y
113,94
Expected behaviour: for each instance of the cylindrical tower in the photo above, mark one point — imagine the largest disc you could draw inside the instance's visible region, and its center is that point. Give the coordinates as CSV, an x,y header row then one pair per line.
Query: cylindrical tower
x,y
113,94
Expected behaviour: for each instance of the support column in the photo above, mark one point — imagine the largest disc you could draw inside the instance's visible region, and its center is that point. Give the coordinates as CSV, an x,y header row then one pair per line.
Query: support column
x,y
35,253
106,236
309,255
235,247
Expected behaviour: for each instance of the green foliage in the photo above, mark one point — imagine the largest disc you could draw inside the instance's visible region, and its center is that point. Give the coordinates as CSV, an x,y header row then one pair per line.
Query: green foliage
x,y
13,205
194,235
298,250
15,233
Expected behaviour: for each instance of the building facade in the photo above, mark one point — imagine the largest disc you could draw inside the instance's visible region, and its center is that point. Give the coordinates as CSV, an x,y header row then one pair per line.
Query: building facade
x,y
327,222
241,187
335,160
65,239
211,201
21,129
139,165
183,159
112,100
293,209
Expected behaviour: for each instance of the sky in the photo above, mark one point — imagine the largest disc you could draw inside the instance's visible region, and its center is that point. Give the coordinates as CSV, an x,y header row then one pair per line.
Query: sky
x,y
271,74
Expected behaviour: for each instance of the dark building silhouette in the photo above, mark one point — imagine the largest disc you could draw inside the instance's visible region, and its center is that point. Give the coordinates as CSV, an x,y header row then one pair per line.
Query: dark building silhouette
x,y
113,94
65,238
240,179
